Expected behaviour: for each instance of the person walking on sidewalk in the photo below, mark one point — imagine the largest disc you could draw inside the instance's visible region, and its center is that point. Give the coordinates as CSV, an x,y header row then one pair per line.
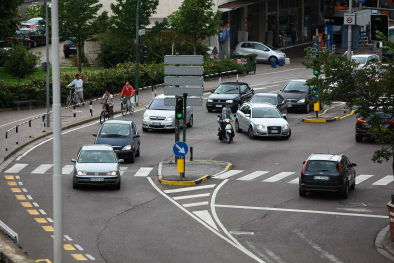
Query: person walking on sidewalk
x,y
78,85
128,92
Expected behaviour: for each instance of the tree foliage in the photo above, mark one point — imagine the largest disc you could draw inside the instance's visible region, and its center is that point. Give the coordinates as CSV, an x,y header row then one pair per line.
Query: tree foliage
x,y
9,18
196,19
20,62
80,22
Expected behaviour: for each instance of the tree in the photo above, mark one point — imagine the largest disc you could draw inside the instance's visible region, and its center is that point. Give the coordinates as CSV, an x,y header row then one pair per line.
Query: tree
x,y
9,18
20,62
79,22
370,90
196,19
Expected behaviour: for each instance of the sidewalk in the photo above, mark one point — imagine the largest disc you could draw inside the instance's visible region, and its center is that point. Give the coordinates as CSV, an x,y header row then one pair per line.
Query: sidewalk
x,y
333,113
384,245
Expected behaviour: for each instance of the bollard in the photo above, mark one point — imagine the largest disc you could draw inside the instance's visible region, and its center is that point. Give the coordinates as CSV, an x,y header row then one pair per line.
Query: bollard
x,y
191,154
29,128
152,91
155,91
273,63
16,134
75,113
91,108
220,78
43,123
6,140
280,62
237,77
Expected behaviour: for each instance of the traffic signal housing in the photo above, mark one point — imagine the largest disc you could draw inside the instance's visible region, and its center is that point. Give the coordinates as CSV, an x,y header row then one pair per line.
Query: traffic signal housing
x,y
316,68
143,53
379,23
179,108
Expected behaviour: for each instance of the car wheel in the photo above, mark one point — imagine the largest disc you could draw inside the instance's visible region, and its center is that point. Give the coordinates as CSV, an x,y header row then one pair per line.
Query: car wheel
x,y
250,133
288,136
190,124
308,108
237,128
132,158
145,129
353,186
117,186
359,138
75,185
301,191
138,154
272,59
345,192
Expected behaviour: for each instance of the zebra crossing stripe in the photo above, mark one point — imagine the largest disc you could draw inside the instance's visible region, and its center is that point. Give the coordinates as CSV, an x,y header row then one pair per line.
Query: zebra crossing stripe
x,y
67,169
42,168
123,170
144,171
362,177
252,176
294,181
16,168
278,177
228,174
384,181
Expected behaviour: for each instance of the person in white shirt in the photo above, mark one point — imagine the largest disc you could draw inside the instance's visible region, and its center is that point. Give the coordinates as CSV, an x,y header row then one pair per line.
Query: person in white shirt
x,y
78,84
108,100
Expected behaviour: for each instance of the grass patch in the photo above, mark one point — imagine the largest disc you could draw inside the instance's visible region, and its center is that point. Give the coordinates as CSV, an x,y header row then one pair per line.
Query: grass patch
x,y
8,80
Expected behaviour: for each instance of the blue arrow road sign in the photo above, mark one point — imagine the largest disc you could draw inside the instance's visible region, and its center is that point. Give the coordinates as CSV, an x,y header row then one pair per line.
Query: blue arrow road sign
x,y
180,149
315,91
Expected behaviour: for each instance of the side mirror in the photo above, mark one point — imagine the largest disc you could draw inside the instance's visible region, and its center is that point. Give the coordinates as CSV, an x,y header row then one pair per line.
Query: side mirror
x,y
212,91
73,160
94,134
218,116
284,116
247,115
353,164
136,136
121,161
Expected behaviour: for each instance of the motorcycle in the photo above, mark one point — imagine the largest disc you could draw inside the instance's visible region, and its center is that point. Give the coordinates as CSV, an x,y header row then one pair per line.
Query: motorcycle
x,y
228,134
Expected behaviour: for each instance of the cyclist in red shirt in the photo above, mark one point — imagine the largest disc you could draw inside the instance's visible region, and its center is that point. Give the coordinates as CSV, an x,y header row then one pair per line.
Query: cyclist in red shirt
x,y
128,92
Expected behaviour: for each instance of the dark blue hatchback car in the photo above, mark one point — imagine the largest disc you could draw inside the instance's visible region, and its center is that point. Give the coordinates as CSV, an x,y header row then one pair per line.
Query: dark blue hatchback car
x,y
123,136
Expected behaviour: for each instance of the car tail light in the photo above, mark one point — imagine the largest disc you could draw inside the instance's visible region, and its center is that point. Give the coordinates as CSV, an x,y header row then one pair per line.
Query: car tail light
x,y
31,26
361,121
390,122
64,47
234,48
30,38
340,169
212,53
303,169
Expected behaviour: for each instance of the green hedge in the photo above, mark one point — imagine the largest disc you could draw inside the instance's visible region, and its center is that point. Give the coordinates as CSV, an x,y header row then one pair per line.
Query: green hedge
x,y
95,84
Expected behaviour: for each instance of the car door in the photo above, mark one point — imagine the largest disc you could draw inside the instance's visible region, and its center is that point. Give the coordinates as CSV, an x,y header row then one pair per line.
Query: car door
x,y
246,48
351,173
241,118
345,170
245,93
261,51
136,141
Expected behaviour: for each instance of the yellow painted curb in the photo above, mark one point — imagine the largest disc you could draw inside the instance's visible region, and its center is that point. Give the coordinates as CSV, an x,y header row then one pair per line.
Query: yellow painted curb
x,y
229,166
312,120
351,113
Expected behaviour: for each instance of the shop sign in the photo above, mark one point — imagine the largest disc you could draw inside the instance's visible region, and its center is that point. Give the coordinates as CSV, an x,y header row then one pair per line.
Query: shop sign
x,y
224,33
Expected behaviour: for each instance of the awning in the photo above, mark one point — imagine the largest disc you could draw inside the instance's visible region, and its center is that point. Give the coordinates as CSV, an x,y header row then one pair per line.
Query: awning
x,y
235,5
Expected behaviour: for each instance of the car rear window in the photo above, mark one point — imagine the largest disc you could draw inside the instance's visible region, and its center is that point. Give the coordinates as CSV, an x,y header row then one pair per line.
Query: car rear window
x,y
69,42
260,99
315,166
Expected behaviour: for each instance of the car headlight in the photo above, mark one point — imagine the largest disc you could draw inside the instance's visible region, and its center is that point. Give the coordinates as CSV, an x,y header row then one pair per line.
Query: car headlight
x,y
126,148
81,173
260,126
301,100
111,173
286,126
169,118
209,100
229,101
146,117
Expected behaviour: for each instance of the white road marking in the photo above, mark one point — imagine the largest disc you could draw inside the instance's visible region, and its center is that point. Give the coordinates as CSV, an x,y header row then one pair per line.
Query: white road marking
x,y
50,220
20,183
16,168
24,190
201,221
90,257
362,177
190,196
241,233
294,181
144,171
42,211
67,169
300,211
123,169
384,181
35,204
78,247
265,87
204,215
228,174
185,189
195,204
267,260
322,252
278,177
17,177
273,255
29,197
68,238
42,168
252,176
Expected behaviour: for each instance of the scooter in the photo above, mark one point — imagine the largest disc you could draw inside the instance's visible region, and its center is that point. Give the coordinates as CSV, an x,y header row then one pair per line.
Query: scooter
x,y
228,131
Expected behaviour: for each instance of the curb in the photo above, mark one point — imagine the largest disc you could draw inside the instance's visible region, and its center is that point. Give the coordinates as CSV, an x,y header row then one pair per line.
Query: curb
x,y
314,120
381,244
190,183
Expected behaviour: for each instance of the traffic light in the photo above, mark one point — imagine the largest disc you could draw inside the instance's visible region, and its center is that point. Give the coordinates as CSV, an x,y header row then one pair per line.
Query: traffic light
x,y
379,23
179,108
143,53
316,67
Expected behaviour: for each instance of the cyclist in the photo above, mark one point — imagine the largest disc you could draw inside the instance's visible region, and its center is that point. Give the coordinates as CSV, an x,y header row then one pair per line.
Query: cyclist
x,y
128,92
108,103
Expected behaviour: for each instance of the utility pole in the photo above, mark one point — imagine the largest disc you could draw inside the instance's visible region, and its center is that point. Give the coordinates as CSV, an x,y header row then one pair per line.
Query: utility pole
x,y
137,43
57,139
47,62
349,34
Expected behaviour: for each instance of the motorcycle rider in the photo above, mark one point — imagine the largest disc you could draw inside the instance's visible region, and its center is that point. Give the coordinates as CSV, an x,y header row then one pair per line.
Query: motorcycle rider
x,y
226,114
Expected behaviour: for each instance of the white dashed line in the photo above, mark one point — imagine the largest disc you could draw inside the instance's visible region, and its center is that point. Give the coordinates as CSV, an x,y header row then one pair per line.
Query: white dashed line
x,y
20,183
50,220
24,190
17,177
29,197
190,196
195,204
185,189
68,238
42,212
78,247
35,204
90,257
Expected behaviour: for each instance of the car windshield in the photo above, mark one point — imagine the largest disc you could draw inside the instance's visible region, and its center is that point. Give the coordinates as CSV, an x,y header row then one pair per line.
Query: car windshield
x,y
271,47
359,60
260,99
115,130
318,166
89,156
158,104
296,87
380,115
265,113
227,89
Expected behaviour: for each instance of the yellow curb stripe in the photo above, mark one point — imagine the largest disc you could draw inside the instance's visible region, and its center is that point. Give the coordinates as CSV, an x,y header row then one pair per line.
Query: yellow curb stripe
x,y
20,197
12,183
229,166
26,204
16,190
48,228
351,113
79,257
187,183
312,120
68,247
33,211
41,220
9,177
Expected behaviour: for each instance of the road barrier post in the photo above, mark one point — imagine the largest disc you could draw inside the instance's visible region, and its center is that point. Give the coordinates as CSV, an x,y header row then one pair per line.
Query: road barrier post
x,y
91,108
16,134
75,113
6,140
43,123
191,154
29,128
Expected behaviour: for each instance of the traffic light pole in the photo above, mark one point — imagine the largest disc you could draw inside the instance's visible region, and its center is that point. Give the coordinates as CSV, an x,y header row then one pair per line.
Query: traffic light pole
x,y
137,42
349,34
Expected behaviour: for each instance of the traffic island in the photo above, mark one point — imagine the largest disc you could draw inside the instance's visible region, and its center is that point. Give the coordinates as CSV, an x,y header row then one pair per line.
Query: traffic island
x,y
334,113
384,242
196,171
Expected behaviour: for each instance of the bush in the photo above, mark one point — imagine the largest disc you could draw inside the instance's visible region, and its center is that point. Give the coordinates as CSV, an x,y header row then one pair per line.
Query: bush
x,y
20,62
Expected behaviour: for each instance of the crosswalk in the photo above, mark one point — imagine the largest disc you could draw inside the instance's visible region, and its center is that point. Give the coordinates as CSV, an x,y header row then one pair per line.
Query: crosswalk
x,y
67,169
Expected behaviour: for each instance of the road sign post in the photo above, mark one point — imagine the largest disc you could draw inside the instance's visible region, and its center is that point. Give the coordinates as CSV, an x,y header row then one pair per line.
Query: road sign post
x,y
180,150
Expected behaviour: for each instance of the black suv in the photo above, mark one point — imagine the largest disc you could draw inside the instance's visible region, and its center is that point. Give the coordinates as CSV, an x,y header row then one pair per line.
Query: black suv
x,y
363,127
327,172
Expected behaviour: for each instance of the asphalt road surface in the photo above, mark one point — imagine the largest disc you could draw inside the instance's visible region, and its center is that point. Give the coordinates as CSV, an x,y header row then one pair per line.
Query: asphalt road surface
x,y
252,213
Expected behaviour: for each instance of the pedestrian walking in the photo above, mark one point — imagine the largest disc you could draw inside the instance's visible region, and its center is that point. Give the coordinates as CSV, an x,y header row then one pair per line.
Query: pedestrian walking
x,y
78,85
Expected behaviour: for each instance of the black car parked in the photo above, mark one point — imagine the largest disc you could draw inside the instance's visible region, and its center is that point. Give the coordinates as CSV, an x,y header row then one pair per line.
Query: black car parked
x,y
327,172
274,99
363,128
229,93
69,48
123,136
35,37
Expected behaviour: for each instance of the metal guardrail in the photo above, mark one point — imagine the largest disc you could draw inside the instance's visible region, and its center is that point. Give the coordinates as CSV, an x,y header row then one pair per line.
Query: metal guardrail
x,y
10,233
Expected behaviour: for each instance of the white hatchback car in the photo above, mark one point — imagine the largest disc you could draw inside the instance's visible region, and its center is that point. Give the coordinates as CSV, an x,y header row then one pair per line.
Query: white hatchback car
x,y
264,52
364,59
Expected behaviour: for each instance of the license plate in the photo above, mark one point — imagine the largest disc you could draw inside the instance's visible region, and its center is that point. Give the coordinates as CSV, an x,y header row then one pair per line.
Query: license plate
x,y
72,47
274,131
156,123
219,106
289,105
319,177
97,179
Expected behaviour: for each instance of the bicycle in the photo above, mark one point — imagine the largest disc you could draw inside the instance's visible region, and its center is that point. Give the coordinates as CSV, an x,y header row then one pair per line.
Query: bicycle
x,y
123,106
105,114
71,98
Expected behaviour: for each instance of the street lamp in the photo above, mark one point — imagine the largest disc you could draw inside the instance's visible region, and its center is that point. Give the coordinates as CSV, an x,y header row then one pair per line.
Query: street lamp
x,y
137,42
47,60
